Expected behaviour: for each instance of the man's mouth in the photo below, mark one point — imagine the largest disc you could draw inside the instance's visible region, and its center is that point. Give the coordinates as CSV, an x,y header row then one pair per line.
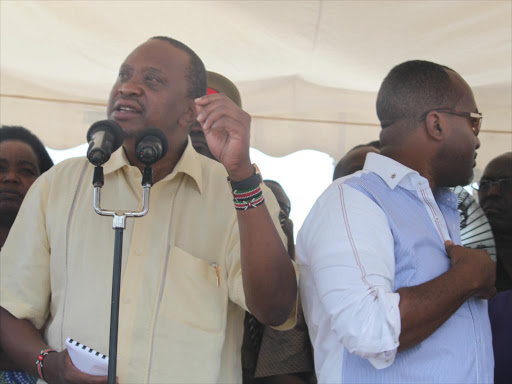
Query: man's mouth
x,y
126,109
492,208
11,195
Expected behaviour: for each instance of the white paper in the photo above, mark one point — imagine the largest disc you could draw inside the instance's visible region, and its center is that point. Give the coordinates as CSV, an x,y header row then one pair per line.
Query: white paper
x,y
87,359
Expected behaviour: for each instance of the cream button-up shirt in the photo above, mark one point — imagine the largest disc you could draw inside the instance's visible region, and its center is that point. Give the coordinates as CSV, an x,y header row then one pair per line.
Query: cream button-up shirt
x,y
182,300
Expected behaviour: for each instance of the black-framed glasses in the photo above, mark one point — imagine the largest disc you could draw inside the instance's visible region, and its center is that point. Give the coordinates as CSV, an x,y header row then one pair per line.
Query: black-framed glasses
x,y
486,185
474,117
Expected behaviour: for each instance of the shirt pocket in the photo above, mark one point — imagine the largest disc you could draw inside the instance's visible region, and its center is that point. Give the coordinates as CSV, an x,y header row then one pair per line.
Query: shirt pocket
x,y
195,292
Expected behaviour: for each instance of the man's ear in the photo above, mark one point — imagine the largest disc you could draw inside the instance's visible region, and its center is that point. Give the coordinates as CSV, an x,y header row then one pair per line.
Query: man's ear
x,y
189,115
434,124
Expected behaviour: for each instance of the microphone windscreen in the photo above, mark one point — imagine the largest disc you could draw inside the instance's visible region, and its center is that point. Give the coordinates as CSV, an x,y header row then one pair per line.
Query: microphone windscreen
x,y
112,128
151,145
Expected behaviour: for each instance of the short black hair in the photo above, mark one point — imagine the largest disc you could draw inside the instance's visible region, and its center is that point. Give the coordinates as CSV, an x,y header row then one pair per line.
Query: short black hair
x,y
375,144
196,75
22,134
413,88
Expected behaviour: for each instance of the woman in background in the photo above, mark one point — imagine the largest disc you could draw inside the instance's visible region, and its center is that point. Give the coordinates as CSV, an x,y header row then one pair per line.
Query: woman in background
x,y
23,158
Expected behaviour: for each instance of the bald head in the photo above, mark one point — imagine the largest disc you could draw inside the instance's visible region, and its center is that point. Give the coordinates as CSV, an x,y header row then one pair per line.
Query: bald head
x,y
353,161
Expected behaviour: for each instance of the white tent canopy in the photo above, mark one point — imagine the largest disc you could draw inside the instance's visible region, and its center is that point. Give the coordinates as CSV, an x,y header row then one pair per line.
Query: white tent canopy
x,y
308,71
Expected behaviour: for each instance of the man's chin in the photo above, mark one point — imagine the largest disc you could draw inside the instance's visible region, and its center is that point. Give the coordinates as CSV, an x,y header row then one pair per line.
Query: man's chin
x,y
498,223
467,179
131,127
131,132
8,213
471,177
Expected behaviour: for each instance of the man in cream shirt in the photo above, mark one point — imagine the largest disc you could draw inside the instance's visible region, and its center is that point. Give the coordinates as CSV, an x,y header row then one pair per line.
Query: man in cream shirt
x,y
190,267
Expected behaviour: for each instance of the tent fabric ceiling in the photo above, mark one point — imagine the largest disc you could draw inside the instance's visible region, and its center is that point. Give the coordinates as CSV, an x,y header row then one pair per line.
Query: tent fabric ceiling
x,y
309,60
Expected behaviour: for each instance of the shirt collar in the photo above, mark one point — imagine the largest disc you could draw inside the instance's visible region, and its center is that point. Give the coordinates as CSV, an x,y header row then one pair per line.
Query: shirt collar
x,y
189,164
394,173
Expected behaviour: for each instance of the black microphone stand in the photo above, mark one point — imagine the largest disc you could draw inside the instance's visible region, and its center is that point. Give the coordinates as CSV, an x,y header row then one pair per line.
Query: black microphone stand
x,y
119,224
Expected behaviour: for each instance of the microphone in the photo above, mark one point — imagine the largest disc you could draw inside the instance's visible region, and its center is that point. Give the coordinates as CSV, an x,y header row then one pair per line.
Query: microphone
x,y
104,137
150,146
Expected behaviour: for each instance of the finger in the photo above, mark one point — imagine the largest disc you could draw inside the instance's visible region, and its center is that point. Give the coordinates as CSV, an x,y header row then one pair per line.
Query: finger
x,y
215,110
226,106
207,99
229,126
222,115
199,108
448,244
208,117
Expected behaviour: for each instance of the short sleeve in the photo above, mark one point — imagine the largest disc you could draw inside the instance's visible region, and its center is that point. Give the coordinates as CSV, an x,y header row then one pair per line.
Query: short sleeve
x,y
25,259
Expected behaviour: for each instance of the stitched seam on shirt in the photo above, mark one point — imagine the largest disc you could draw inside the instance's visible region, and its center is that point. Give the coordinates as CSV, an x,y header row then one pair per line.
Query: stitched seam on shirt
x,y
354,249
68,228
163,279
476,333
432,210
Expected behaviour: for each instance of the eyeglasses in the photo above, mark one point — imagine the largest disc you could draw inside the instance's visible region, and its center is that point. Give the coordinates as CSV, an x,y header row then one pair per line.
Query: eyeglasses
x,y
486,185
283,217
475,117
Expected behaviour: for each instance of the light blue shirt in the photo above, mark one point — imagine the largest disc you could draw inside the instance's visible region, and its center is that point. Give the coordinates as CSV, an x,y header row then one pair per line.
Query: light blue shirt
x,y
368,235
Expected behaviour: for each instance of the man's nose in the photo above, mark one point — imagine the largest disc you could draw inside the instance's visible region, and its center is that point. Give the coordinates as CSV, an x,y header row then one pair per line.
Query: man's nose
x,y
130,88
477,142
494,190
10,176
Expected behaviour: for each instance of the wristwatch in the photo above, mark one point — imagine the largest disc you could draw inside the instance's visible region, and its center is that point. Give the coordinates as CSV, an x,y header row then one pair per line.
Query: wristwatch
x,y
247,184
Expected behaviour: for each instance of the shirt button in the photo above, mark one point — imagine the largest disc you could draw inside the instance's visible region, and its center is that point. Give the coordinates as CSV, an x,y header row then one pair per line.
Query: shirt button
x,y
126,300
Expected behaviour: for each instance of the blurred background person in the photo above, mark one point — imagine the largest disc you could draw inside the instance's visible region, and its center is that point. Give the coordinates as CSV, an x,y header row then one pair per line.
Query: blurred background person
x,y
216,84
495,196
270,356
284,214
354,159
23,158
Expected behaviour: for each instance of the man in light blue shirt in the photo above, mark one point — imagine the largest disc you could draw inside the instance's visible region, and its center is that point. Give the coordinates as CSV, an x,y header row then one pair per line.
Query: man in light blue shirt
x,y
389,294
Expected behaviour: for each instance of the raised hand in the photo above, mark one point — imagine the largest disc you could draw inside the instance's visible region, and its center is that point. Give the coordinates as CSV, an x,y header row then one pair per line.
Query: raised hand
x,y
227,131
